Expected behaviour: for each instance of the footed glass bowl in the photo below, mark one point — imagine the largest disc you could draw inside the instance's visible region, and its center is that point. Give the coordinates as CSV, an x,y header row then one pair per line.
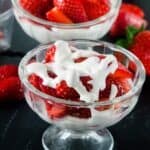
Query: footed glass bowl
x,y
45,31
85,126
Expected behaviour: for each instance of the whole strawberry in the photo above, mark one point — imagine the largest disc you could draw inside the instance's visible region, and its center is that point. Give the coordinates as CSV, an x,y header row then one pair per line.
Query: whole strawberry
x,y
73,9
129,15
141,48
7,71
10,89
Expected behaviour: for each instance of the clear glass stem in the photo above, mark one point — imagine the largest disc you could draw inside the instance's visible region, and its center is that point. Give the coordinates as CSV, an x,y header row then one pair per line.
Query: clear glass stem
x,y
55,138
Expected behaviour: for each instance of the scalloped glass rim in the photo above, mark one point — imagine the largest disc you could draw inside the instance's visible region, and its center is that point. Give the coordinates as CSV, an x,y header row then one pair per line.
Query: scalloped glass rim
x,y
77,25
137,83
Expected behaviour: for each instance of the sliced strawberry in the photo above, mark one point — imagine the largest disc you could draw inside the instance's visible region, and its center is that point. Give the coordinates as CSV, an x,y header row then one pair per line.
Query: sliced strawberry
x,y
104,95
36,7
63,91
80,59
103,108
132,66
83,113
35,81
122,72
85,80
55,111
7,71
96,9
73,9
49,56
120,57
93,1
101,56
122,85
52,74
10,89
48,90
56,15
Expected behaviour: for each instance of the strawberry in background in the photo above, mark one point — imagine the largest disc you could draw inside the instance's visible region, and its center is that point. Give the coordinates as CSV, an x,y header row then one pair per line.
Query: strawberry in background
x,y
138,42
10,84
129,15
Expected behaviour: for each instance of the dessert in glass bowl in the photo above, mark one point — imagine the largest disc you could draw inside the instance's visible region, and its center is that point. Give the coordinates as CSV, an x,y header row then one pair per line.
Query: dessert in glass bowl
x,y
81,87
67,20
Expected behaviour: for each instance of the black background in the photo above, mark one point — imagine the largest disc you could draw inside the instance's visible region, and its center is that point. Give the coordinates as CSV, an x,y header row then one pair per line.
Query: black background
x,y
21,129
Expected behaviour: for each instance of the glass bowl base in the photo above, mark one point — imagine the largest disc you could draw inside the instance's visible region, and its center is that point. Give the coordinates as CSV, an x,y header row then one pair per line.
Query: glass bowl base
x,y
55,138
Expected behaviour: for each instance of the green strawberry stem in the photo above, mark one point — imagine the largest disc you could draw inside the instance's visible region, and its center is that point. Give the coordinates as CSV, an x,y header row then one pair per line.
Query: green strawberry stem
x,y
131,32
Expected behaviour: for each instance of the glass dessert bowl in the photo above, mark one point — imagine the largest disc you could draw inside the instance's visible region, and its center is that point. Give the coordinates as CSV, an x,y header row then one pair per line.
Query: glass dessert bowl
x,y
45,31
80,120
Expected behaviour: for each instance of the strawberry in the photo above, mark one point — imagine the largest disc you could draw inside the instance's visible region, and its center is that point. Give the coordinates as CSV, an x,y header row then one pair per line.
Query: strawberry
x,y
48,90
52,74
66,92
124,20
85,80
138,41
36,7
80,59
122,85
83,113
104,95
122,72
35,81
58,16
55,111
73,9
49,56
141,48
129,15
95,9
7,71
10,89
127,7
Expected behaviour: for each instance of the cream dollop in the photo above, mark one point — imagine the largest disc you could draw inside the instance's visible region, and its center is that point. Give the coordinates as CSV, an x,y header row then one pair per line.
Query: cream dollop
x,y
66,69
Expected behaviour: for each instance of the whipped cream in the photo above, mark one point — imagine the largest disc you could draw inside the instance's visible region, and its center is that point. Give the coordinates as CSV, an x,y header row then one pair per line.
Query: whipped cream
x,y
66,69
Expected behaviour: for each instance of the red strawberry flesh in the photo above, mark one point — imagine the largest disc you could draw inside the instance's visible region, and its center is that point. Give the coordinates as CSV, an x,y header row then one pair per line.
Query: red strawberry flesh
x,y
7,71
49,56
63,91
95,9
55,111
11,89
73,9
141,48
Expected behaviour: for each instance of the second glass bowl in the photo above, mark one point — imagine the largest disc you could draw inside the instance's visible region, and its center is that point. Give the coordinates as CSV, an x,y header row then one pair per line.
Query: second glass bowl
x,y
87,131
45,31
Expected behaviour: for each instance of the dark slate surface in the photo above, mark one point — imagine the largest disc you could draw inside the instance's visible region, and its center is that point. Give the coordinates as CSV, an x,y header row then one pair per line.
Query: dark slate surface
x,y
21,129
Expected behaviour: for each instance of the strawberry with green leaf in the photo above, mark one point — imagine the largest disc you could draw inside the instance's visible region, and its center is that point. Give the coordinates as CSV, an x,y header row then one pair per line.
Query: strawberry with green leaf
x,y
129,15
138,41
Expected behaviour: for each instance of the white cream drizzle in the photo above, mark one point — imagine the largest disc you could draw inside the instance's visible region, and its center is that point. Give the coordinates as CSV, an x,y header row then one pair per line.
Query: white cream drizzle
x,y
66,69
